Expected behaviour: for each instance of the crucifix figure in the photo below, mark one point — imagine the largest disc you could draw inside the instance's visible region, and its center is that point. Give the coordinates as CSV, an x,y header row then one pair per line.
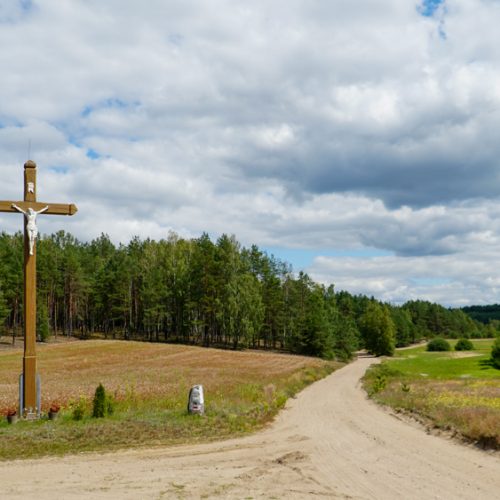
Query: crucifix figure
x,y
31,208
31,228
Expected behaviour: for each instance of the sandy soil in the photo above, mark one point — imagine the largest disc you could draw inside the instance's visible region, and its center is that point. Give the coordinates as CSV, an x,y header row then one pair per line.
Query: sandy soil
x,y
329,442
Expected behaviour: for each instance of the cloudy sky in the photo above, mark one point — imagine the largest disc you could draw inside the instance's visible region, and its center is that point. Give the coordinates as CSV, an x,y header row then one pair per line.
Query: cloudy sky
x,y
357,140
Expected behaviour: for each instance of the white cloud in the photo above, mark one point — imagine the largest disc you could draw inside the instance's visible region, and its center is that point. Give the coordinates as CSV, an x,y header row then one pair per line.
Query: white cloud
x,y
465,279
300,124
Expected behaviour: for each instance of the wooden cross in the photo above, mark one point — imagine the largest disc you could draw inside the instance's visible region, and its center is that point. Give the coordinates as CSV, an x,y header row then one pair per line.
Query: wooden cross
x,y
29,389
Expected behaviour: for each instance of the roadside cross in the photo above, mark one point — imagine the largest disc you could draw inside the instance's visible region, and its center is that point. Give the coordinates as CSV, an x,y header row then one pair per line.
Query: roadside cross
x,y
30,208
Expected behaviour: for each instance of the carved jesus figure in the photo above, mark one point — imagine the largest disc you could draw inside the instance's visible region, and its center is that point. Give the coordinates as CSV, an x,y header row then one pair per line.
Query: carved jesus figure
x,y
31,228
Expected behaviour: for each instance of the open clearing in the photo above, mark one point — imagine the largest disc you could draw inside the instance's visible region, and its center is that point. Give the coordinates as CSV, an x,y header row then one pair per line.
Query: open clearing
x,y
148,370
329,442
149,383
455,391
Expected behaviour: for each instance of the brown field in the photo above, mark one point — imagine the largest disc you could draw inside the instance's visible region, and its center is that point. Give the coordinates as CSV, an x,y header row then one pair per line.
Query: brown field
x,y
149,384
142,370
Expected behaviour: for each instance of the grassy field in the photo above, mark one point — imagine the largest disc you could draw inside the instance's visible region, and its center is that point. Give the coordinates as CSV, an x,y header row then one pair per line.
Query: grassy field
x,y
453,391
150,385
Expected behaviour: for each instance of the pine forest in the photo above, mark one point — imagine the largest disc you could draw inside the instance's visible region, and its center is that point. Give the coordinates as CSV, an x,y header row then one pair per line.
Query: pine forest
x,y
209,294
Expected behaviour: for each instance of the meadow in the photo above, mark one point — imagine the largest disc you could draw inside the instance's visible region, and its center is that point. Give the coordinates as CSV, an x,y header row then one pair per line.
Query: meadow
x,y
149,383
453,391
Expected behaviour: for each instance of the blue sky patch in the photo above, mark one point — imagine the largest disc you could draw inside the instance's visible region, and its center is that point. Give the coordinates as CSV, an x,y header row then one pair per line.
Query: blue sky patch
x,y
303,258
93,155
107,104
428,7
15,11
86,111
175,39
59,169
430,281
115,103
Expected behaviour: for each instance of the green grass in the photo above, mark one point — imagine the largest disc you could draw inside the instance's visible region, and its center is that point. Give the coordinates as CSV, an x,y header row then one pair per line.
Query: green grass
x,y
455,391
417,362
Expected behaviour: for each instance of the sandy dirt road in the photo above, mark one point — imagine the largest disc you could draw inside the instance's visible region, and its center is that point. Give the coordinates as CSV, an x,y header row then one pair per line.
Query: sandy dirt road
x,y
329,442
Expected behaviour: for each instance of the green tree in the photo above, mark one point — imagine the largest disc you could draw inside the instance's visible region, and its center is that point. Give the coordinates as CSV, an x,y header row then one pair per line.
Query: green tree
x,y
403,325
177,269
245,311
495,353
42,322
101,404
204,288
4,311
378,330
11,272
345,338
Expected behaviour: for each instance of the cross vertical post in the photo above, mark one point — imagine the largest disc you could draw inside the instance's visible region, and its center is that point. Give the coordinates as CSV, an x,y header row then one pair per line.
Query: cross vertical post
x,y
29,358
30,208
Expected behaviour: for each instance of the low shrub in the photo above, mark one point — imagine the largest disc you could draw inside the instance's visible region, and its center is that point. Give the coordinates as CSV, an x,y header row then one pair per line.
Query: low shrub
x,y
377,377
110,405
78,409
99,402
102,404
495,353
438,344
464,345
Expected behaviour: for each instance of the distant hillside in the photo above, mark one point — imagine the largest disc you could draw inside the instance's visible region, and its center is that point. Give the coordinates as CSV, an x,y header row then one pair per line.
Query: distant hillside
x,y
484,314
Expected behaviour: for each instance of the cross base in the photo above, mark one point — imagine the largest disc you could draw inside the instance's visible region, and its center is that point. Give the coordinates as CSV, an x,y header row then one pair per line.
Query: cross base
x,y
30,413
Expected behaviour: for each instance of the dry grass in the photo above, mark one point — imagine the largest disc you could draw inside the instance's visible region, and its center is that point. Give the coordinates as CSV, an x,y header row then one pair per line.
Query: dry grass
x,y
470,408
150,384
71,370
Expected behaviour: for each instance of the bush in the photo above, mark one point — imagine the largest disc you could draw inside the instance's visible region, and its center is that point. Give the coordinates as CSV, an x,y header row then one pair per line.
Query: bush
x,y
438,344
495,353
377,377
110,405
99,403
464,345
103,404
79,409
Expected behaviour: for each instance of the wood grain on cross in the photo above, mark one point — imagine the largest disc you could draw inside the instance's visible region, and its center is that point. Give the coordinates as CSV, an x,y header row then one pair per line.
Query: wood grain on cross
x,y
29,403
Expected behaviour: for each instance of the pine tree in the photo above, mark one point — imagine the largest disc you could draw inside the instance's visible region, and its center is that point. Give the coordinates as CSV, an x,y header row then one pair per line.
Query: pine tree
x,y
4,311
99,405
42,322
377,329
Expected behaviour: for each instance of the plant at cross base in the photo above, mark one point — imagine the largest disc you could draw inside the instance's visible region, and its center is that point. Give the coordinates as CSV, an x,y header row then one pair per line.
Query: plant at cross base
x,y
54,408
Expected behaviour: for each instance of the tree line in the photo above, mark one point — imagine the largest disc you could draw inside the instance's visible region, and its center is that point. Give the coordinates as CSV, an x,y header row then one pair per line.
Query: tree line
x,y
200,292
484,314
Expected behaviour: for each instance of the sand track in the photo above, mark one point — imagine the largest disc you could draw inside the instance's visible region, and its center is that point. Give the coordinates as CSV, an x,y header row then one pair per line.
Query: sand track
x,y
329,442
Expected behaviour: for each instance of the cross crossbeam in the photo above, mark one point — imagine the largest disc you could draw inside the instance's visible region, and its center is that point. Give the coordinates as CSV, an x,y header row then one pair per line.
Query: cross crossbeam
x,y
54,208
30,208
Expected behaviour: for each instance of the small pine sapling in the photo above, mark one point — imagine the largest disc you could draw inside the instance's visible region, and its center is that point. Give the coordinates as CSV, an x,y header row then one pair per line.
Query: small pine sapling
x,y
99,403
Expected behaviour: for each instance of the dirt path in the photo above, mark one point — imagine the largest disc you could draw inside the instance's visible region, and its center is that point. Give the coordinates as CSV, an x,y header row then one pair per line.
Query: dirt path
x,y
330,442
